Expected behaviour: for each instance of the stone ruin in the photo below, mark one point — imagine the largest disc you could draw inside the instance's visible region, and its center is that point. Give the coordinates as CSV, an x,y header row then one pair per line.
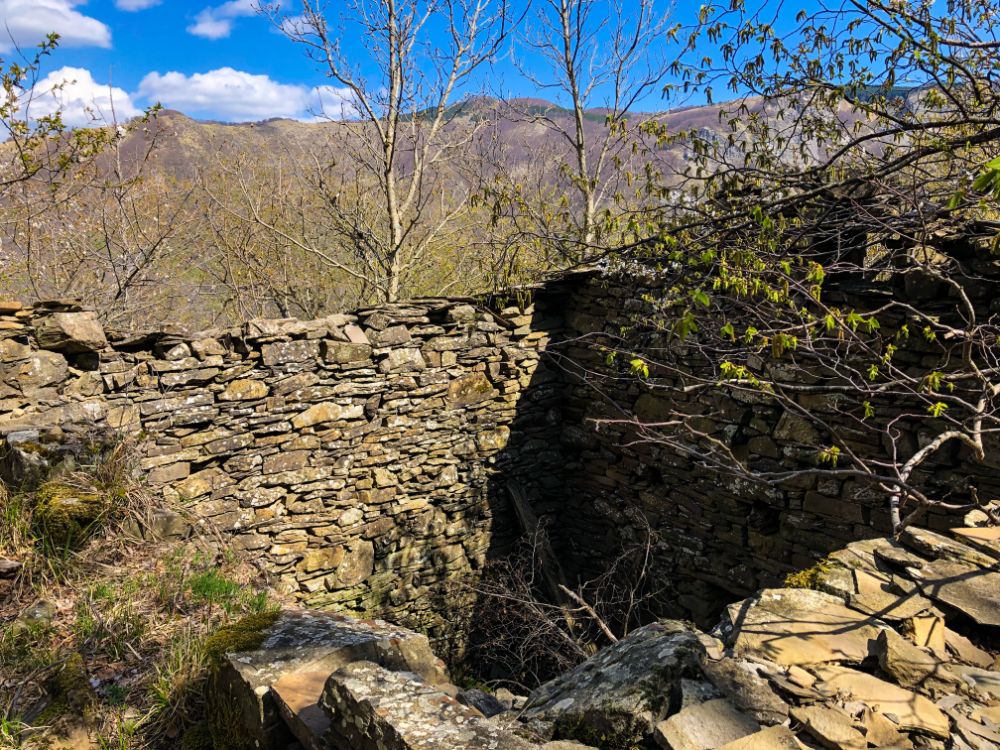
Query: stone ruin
x,y
368,461
874,656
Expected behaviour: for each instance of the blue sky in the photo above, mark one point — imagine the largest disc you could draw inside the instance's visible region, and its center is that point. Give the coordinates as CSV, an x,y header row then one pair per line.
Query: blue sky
x,y
210,60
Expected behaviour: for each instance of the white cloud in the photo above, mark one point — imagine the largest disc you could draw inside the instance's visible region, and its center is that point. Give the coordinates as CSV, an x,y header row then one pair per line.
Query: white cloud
x,y
217,22
331,103
133,5
80,99
27,22
229,94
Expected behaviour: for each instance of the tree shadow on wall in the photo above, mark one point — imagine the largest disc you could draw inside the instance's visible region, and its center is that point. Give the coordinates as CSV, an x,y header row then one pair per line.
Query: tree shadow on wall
x,y
557,583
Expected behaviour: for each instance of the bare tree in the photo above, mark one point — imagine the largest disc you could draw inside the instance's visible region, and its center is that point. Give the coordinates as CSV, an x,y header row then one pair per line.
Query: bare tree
x,y
601,62
520,632
396,135
105,230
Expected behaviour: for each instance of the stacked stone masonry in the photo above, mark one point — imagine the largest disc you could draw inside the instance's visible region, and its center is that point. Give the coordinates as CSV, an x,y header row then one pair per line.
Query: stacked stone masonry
x,y
718,535
351,455
364,458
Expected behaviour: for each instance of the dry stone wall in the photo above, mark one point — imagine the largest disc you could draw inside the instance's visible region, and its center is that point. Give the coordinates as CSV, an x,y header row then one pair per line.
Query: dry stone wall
x,y
364,459
351,455
718,536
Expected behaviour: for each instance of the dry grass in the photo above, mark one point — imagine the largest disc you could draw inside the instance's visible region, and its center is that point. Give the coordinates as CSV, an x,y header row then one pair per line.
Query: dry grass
x,y
102,634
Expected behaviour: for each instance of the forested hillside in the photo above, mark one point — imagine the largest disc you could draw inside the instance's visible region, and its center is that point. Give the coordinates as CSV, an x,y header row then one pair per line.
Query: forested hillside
x,y
202,223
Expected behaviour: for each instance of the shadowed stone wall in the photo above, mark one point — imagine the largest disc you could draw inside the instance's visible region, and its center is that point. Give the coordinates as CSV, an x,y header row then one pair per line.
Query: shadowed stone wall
x,y
720,536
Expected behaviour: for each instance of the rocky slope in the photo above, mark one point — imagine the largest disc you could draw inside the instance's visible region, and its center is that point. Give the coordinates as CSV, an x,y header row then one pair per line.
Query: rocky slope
x,y
893,646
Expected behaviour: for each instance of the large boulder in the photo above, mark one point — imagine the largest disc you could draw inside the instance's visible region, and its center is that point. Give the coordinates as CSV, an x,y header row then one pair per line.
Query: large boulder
x,y
616,698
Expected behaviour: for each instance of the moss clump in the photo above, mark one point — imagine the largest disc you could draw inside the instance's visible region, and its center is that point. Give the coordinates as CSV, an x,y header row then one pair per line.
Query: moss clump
x,y
197,737
64,514
245,634
70,693
808,578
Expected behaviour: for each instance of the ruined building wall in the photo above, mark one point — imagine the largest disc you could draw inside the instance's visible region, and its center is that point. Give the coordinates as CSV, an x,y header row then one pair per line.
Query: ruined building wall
x,y
353,456
720,536
365,459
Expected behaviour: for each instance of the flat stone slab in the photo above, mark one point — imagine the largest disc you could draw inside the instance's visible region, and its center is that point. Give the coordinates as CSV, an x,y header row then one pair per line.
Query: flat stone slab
x,y
912,712
966,650
373,708
970,589
704,726
772,738
298,695
986,538
829,727
801,626
910,666
935,545
862,554
873,595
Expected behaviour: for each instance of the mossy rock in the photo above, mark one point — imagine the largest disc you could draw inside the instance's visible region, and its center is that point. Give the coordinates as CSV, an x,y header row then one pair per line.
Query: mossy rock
x,y
70,693
245,634
224,716
64,515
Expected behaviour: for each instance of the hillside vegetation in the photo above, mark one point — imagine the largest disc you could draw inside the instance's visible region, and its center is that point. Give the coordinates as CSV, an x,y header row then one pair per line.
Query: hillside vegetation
x,y
109,615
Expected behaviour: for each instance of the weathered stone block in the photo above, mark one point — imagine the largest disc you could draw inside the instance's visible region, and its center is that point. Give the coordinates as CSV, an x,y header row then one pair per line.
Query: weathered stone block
x,y
243,389
358,563
229,444
71,332
11,350
268,648
402,360
285,461
317,414
166,405
342,352
471,389
493,440
168,473
199,484
290,351
391,336
325,559
794,429
832,507
373,708
41,369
